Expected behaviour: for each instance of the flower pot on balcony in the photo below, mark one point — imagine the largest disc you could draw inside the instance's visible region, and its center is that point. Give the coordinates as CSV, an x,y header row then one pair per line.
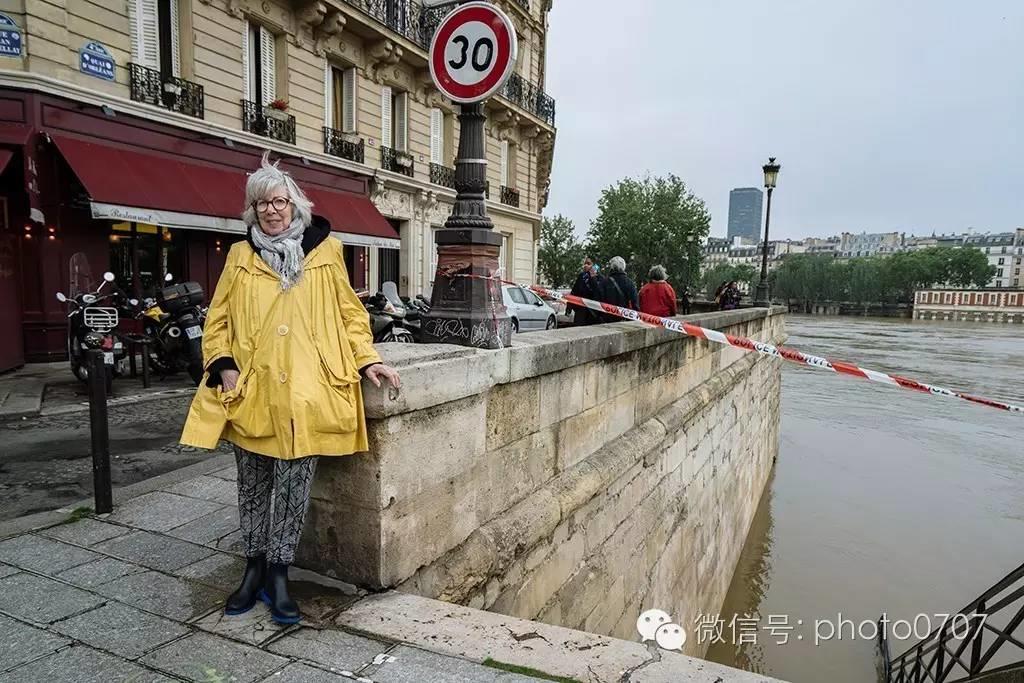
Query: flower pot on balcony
x,y
351,138
403,159
276,114
171,88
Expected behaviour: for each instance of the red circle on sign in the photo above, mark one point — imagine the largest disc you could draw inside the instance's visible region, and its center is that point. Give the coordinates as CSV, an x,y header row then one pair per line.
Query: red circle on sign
x,y
504,57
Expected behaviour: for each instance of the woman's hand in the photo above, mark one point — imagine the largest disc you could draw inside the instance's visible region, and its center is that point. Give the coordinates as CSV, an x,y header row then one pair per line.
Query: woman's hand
x,y
228,379
379,371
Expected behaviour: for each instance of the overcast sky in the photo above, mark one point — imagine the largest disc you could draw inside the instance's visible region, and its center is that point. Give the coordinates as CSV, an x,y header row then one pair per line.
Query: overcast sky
x,y
886,115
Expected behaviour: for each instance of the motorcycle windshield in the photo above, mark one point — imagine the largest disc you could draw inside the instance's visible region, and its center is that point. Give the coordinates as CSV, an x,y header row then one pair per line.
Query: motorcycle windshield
x,y
390,291
80,279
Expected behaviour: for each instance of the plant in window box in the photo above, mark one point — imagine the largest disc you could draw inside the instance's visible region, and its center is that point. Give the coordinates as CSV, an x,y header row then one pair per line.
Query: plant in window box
x,y
278,109
171,88
351,137
403,159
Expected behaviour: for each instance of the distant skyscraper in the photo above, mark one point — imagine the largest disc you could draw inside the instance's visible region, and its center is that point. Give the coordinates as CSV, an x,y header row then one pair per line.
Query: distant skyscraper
x,y
745,213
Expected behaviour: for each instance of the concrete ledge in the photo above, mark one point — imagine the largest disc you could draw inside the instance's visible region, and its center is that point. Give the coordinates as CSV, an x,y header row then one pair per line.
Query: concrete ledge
x,y
477,635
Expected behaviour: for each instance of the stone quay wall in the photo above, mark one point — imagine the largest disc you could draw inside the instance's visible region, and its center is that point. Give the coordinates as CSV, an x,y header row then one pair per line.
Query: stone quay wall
x,y
577,478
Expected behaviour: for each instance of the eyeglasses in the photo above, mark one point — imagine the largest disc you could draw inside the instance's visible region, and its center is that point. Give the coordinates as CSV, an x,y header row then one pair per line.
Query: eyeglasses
x,y
279,204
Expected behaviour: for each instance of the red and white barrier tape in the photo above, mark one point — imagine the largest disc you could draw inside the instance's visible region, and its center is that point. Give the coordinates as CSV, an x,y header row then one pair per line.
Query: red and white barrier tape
x,y
765,349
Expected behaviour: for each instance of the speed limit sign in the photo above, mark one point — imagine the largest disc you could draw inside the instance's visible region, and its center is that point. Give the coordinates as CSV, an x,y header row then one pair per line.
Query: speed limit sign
x,y
473,52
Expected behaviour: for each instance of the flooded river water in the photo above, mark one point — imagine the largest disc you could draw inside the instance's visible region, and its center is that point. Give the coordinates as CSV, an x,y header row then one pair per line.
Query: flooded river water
x,y
882,500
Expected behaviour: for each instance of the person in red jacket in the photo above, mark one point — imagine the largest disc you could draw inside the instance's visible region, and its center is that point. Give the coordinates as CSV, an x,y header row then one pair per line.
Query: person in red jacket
x,y
657,297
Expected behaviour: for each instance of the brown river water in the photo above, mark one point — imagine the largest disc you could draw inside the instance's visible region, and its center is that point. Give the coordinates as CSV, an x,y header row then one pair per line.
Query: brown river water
x,y
882,500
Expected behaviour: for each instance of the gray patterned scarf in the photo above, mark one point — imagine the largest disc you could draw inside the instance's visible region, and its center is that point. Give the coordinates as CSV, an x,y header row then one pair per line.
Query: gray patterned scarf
x,y
283,253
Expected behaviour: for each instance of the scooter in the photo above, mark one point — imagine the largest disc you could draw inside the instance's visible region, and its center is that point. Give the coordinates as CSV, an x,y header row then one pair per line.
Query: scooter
x,y
174,319
92,326
386,319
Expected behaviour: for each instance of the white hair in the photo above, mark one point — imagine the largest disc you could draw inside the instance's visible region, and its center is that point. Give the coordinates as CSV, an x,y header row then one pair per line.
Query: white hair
x,y
264,180
657,273
617,264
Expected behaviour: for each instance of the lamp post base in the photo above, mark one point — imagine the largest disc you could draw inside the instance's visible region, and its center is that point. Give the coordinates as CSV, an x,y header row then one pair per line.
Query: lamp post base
x,y
761,295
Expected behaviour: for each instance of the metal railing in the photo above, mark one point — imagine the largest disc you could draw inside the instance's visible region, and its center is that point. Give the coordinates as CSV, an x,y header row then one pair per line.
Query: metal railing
x,y
525,4
256,120
442,175
940,656
396,161
344,145
170,92
530,97
510,196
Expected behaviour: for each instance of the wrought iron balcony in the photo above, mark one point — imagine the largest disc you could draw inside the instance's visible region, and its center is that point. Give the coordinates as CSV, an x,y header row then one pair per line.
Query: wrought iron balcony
x,y
277,125
398,162
530,97
510,196
345,145
170,92
525,4
407,18
442,175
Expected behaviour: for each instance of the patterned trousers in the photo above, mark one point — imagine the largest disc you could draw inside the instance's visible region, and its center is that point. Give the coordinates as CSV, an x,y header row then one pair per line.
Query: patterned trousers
x,y
273,496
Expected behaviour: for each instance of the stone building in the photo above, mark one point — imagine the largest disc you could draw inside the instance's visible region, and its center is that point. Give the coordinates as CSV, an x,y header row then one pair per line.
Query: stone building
x,y
978,305
126,130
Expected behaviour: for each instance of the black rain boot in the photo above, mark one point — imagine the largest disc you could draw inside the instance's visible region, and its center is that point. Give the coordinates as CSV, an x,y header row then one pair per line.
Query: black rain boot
x,y
248,592
283,609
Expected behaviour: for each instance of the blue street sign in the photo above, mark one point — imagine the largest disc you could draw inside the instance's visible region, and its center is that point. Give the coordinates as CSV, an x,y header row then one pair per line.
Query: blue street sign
x,y
96,60
10,37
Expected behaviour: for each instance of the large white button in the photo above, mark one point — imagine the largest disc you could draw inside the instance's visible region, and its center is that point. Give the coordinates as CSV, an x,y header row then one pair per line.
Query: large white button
x,y
284,377
282,330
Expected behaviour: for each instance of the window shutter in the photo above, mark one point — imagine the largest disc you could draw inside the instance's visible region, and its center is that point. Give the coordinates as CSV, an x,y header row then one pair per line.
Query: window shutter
x,y
503,164
328,95
175,40
402,122
246,62
436,136
145,33
268,66
348,106
385,116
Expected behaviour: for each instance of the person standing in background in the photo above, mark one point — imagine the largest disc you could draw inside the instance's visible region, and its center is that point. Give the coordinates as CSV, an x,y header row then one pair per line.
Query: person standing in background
x,y
657,297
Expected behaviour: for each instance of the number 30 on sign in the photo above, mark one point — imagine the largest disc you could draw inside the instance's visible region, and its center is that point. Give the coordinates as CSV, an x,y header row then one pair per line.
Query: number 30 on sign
x,y
473,52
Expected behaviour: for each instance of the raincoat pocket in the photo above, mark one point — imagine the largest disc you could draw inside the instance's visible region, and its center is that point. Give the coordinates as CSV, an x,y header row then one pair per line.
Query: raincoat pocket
x,y
247,409
336,412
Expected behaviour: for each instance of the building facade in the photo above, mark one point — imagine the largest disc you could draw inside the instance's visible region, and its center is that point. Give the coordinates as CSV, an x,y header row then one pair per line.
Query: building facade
x,y
1005,253
978,305
869,244
745,214
127,128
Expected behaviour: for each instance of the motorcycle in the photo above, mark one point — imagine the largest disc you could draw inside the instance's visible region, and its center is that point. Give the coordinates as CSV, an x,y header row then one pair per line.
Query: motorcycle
x,y
386,319
174,320
92,326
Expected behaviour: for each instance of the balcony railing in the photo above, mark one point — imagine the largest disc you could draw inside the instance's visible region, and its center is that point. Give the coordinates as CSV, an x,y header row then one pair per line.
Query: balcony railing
x,y
525,4
279,126
442,175
398,162
527,95
510,196
344,145
170,92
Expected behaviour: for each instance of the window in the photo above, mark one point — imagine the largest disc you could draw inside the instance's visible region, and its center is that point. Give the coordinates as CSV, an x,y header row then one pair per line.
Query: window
x,y
1016,271
523,62
1001,261
505,256
949,298
507,164
339,98
1012,299
1002,252
155,35
517,295
999,272
394,119
259,62
437,149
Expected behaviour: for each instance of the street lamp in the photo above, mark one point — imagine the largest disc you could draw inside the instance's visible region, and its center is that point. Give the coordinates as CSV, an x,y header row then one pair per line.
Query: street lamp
x,y
771,175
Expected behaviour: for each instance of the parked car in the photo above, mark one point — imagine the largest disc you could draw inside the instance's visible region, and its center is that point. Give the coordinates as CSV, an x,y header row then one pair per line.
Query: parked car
x,y
527,310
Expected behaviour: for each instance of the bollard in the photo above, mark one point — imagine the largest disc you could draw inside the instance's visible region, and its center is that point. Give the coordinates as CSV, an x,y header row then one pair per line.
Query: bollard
x,y
100,432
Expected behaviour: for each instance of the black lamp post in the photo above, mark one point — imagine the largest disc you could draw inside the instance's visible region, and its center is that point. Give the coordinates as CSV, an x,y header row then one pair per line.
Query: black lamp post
x,y
771,174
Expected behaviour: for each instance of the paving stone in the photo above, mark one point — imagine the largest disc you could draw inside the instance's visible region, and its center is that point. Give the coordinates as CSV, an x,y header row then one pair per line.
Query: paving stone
x,y
200,656
7,570
160,511
22,643
169,596
254,627
43,555
411,665
121,629
207,488
209,529
82,664
336,650
230,473
87,532
219,570
99,572
154,550
297,672
41,600
232,543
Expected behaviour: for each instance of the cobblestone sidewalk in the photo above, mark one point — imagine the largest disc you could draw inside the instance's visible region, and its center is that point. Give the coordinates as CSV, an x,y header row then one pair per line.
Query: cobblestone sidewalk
x,y
137,596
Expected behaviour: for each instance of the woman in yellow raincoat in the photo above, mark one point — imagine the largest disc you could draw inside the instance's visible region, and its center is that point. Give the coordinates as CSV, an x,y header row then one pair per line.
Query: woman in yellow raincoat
x,y
285,345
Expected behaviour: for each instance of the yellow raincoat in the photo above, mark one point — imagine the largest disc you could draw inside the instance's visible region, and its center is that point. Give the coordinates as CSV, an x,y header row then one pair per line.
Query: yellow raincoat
x,y
299,352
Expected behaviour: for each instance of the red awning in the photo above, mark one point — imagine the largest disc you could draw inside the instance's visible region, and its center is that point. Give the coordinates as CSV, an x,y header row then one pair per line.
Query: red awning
x,y
354,216
5,157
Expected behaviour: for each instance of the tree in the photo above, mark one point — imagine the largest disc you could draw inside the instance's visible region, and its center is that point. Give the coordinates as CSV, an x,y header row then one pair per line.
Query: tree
x,y
651,221
969,267
560,253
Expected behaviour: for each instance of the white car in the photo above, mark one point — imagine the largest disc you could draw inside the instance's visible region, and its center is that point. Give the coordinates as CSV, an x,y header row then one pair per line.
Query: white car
x,y
527,310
